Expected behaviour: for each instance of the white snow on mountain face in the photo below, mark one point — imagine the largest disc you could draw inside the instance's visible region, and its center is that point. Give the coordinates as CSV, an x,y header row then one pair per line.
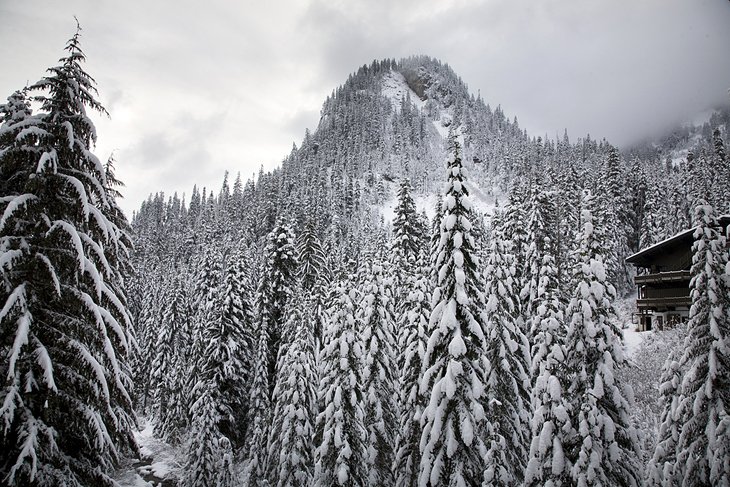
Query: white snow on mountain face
x,y
394,88
482,199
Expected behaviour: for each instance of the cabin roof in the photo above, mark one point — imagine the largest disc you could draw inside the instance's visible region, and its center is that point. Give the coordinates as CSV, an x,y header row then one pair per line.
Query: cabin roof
x,y
684,239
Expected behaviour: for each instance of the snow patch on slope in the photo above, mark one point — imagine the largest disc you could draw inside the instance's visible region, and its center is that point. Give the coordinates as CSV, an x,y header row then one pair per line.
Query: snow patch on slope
x,y
395,88
481,199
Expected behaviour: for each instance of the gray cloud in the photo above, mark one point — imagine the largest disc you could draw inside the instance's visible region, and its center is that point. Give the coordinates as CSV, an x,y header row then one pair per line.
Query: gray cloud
x,y
197,88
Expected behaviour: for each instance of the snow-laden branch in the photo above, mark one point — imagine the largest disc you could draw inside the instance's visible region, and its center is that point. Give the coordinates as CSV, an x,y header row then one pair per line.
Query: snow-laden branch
x,y
75,239
16,203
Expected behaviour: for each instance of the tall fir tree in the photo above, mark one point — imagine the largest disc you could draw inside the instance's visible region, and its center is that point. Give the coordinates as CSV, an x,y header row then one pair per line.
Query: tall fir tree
x,y
171,361
290,446
453,444
275,289
660,470
375,320
219,371
314,274
259,412
229,353
705,389
406,244
65,331
507,359
550,424
209,452
411,401
604,449
340,434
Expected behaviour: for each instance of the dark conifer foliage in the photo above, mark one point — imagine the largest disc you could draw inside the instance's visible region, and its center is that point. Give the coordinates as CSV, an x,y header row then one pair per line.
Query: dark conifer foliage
x,y
65,332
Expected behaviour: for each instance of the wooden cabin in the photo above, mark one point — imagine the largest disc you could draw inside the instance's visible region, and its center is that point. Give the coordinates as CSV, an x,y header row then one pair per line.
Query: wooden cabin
x,y
663,287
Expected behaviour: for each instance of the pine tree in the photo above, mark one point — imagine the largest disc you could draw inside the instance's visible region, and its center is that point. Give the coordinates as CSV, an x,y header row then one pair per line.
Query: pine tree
x,y
435,239
613,212
551,428
290,448
170,363
452,443
146,296
540,213
705,385
406,245
513,223
605,448
375,320
313,269
208,451
313,274
411,402
275,289
340,438
651,231
507,358
65,330
219,371
659,471
229,357
259,412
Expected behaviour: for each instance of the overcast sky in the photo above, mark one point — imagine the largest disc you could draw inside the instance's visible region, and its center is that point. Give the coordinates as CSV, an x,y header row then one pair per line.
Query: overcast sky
x,y
198,87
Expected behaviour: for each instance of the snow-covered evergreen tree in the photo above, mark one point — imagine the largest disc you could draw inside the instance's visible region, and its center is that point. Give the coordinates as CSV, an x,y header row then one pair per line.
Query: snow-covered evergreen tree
x,y
613,212
228,358
65,331
209,452
341,438
379,374
274,290
259,412
314,274
453,442
507,359
435,239
218,370
514,218
705,388
411,402
406,244
312,269
652,230
540,227
550,424
170,364
604,450
660,470
290,447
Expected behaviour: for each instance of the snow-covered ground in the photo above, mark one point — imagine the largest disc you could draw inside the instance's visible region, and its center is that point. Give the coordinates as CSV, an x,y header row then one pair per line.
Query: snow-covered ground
x,y
633,340
160,464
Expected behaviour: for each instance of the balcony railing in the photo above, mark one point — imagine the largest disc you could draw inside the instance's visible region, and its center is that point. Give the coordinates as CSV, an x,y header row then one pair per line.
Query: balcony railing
x,y
664,302
663,277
